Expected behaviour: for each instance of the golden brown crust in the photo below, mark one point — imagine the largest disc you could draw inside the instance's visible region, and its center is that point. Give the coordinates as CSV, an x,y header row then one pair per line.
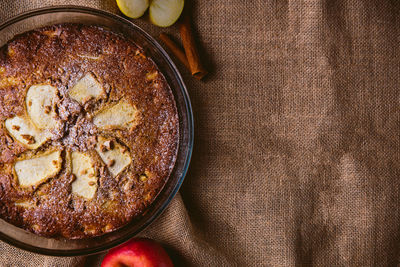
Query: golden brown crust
x,y
59,56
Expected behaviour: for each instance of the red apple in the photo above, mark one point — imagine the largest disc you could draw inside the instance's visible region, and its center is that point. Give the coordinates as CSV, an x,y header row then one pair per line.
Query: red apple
x,y
137,252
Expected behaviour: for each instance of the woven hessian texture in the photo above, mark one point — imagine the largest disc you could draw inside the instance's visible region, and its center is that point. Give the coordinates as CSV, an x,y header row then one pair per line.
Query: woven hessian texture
x,y
296,158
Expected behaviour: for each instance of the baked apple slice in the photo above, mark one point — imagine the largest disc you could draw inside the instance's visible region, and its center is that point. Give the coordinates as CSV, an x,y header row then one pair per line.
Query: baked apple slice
x,y
38,169
85,184
122,115
40,104
25,132
86,88
113,154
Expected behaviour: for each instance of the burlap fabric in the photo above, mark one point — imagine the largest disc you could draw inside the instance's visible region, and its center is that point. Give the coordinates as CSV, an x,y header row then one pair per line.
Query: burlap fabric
x,y
296,158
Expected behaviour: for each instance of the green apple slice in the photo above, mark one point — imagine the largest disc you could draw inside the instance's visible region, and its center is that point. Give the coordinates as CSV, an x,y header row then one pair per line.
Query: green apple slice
x,y
164,13
40,104
113,154
86,88
25,132
133,8
38,169
85,184
121,115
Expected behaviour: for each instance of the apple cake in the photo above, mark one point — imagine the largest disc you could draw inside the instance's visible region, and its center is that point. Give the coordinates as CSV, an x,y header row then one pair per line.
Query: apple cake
x,y
89,131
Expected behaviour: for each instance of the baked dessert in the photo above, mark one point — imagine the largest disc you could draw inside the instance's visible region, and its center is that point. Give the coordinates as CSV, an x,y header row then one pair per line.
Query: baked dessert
x,y
88,131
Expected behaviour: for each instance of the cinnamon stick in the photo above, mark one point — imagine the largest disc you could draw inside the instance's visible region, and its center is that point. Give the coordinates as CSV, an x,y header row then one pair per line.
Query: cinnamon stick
x,y
175,49
192,54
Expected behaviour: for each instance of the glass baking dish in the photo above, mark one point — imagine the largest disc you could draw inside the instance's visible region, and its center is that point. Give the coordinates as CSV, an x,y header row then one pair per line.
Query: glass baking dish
x,y
76,14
